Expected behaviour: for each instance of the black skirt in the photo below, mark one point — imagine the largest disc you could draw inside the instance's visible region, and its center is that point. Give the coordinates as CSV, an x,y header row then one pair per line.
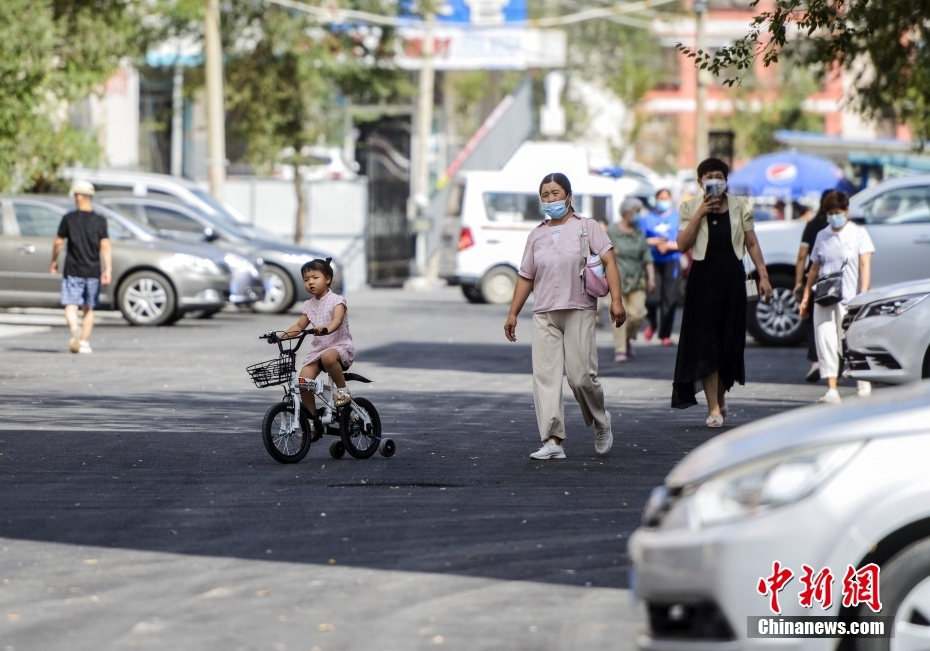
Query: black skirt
x,y
713,324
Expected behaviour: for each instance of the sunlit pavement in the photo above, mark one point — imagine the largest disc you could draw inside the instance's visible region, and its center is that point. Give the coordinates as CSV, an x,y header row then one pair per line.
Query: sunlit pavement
x,y
141,511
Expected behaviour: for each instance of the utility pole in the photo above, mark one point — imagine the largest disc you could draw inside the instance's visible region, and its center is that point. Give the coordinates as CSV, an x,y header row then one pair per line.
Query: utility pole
x,y
177,118
419,188
700,131
216,114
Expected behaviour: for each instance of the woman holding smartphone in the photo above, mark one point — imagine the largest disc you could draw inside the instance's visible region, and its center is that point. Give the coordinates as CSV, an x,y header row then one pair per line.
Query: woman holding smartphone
x,y
718,229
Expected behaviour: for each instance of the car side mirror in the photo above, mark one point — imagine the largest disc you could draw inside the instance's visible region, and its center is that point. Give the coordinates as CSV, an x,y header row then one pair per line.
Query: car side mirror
x,y
210,235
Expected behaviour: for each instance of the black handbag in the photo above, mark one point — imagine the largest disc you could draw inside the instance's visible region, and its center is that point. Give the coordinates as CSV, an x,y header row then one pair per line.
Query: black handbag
x,y
829,288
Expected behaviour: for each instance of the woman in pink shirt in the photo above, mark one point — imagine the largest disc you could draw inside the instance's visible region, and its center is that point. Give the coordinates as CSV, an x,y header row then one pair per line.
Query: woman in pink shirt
x,y
563,316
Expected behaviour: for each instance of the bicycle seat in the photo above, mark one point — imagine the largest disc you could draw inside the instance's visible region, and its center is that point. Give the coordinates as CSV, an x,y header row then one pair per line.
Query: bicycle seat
x,y
355,377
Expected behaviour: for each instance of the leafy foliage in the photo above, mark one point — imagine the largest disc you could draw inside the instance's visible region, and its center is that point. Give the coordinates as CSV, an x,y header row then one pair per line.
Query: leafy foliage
x,y
882,44
288,77
54,53
755,130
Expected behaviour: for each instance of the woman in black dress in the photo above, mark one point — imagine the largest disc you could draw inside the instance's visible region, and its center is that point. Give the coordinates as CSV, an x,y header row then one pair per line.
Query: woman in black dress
x,y
719,232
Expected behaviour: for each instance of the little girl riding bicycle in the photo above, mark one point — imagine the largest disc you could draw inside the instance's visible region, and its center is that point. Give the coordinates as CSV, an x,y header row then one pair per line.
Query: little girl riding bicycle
x,y
332,349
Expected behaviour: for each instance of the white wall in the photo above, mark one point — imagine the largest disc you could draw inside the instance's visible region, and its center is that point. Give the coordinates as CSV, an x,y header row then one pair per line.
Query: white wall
x,y
116,118
337,216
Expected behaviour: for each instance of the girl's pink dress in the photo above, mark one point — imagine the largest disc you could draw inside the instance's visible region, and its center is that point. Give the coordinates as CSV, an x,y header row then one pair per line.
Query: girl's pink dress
x,y
320,313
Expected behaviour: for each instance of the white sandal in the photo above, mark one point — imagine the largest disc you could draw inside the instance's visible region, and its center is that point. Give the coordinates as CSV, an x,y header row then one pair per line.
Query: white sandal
x,y
724,411
714,421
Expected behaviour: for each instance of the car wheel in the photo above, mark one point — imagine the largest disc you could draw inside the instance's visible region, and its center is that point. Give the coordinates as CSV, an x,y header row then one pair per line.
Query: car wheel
x,y
472,293
777,323
279,291
146,298
905,595
498,284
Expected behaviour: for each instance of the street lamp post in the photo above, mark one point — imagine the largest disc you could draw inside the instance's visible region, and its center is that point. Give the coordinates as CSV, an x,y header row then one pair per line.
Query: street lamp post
x,y
700,142
419,187
216,115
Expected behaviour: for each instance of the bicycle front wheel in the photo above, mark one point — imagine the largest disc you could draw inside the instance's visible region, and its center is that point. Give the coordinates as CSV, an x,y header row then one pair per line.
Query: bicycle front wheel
x,y
285,440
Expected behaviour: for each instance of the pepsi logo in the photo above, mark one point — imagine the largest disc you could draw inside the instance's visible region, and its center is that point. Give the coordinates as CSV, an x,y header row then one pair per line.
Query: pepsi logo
x,y
781,173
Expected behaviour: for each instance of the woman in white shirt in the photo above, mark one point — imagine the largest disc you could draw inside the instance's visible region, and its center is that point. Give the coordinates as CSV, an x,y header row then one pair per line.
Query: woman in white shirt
x,y
842,246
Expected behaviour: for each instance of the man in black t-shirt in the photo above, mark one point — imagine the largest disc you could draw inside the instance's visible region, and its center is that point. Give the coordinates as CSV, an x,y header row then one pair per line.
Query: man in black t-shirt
x,y
814,226
88,241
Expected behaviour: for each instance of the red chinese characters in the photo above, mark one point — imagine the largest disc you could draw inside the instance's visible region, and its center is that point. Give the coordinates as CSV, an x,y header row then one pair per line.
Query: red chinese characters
x,y
861,587
774,584
816,588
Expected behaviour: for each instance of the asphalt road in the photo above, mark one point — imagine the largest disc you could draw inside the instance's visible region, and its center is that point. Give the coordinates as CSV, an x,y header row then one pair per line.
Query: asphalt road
x,y
140,509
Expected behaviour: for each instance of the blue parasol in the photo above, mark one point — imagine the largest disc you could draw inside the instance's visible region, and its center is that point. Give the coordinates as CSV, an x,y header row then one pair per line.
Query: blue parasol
x,y
787,175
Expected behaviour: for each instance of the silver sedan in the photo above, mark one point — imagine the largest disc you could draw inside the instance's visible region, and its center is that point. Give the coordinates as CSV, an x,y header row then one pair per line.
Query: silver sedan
x,y
888,334
746,522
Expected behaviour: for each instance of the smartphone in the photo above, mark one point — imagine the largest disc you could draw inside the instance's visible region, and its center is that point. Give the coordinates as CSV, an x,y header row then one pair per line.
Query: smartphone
x,y
714,187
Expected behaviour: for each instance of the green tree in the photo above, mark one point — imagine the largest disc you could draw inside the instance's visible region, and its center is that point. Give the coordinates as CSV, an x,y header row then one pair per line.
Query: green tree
x,y
624,59
781,108
882,44
288,77
54,53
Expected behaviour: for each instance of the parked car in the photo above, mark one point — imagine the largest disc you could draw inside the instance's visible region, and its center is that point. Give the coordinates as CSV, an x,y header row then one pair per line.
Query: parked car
x,y
490,214
247,286
827,486
888,334
146,184
155,281
280,262
896,213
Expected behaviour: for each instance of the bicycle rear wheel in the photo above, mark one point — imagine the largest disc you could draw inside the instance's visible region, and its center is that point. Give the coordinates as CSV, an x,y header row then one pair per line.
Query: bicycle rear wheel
x,y
284,442
360,441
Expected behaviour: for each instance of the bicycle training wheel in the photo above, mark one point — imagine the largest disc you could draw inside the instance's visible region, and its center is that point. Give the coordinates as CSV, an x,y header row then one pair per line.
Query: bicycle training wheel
x,y
284,442
360,442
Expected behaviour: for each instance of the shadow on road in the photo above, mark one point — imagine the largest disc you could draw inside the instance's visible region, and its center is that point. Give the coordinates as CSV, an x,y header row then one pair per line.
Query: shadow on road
x,y
187,473
788,366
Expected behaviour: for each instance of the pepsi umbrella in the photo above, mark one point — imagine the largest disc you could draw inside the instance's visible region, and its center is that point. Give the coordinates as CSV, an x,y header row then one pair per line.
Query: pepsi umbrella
x,y
787,175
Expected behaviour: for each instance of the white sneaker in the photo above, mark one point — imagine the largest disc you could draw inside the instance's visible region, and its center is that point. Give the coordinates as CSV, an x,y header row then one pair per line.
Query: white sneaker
x,y
832,396
85,348
863,388
75,339
549,450
603,439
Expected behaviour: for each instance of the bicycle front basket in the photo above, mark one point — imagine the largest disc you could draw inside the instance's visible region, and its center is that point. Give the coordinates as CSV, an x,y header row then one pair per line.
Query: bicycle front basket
x,y
270,373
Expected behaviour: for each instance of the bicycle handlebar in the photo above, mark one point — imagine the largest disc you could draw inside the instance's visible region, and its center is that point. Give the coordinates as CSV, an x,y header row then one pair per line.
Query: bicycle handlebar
x,y
273,337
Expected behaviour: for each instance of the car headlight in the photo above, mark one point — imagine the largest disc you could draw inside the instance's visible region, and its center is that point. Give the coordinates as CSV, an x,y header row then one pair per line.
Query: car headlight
x,y
892,306
241,264
197,264
767,484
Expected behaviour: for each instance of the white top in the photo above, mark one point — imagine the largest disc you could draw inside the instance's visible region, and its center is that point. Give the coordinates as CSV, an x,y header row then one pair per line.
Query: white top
x,y
832,248
555,231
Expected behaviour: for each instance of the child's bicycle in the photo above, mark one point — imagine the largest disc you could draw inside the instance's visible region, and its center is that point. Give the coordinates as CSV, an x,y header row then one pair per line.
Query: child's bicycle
x,y
289,428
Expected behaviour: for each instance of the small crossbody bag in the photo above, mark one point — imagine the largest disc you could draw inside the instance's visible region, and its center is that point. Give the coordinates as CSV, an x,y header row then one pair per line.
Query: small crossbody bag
x,y
593,274
752,287
829,287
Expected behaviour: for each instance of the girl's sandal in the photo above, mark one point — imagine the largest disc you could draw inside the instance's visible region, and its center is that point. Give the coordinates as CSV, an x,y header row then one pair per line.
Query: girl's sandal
x,y
343,397
714,421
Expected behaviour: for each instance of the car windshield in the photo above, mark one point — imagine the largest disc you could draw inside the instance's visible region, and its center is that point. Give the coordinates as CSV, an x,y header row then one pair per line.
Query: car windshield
x,y
221,211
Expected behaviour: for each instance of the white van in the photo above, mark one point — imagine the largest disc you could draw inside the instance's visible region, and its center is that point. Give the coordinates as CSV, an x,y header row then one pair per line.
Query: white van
x,y
490,214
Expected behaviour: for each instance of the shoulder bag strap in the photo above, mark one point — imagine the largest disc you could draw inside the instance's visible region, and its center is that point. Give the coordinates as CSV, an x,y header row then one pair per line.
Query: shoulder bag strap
x,y
585,254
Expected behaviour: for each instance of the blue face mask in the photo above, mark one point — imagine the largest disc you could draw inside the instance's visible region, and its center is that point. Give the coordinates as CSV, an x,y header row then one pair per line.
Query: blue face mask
x,y
837,220
555,209
663,205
